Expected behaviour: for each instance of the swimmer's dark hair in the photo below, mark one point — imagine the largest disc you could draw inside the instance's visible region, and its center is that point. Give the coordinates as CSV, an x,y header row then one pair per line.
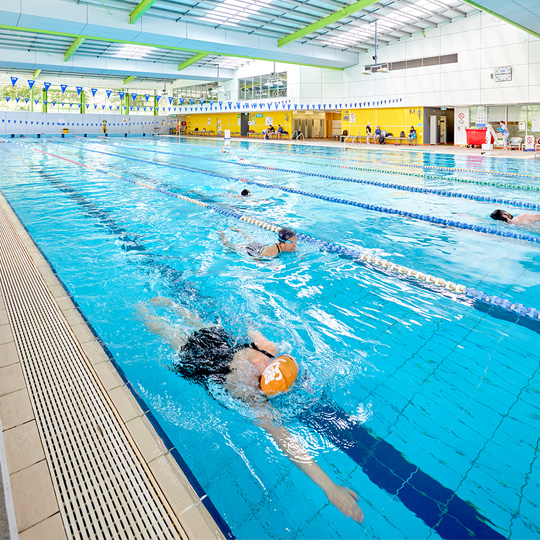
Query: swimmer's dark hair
x,y
206,356
245,192
285,234
498,215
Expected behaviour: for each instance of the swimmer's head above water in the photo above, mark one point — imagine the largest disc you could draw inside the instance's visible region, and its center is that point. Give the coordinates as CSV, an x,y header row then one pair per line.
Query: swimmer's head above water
x,y
245,192
279,376
286,240
501,215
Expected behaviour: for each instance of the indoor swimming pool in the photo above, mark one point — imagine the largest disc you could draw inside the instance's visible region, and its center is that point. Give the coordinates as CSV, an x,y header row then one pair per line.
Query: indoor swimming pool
x,y
412,314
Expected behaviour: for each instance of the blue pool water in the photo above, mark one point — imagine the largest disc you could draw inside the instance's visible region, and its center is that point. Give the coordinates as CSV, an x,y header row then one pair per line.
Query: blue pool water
x,y
423,402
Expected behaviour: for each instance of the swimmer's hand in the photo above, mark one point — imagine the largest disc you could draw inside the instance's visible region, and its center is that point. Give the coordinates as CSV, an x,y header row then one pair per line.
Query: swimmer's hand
x,y
344,499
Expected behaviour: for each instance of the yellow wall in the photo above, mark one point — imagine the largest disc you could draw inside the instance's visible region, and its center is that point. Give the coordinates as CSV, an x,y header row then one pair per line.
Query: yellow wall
x,y
393,120
229,120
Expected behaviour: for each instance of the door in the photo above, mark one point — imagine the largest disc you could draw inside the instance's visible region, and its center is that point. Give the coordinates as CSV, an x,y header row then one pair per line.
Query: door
x,y
443,129
244,126
433,129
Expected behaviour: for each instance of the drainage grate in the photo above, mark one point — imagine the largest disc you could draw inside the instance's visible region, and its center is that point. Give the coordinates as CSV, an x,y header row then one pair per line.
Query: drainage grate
x,y
103,488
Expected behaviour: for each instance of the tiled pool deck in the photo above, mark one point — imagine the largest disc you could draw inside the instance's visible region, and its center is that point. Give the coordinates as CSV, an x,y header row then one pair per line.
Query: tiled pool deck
x,y
41,507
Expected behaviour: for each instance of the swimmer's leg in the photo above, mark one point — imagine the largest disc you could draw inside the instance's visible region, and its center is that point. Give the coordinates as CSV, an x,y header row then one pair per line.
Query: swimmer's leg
x,y
188,316
161,327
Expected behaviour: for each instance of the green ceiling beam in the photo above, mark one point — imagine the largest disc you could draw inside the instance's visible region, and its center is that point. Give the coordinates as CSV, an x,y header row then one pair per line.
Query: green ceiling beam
x,y
192,60
337,16
140,10
74,46
36,73
486,10
165,47
130,78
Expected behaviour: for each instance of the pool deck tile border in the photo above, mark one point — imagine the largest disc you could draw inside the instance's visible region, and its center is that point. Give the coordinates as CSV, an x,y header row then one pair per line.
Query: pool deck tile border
x,y
36,508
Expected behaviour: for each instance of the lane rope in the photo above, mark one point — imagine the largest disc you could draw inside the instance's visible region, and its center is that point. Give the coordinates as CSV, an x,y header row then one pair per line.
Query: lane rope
x,y
401,187
374,207
412,165
441,284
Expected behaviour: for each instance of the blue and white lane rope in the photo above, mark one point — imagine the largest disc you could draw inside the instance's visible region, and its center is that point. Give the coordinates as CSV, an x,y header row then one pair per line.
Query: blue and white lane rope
x,y
401,164
400,187
373,207
441,284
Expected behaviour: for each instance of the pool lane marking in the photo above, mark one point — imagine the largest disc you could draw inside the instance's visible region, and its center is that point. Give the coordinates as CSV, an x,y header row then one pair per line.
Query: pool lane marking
x,y
366,169
373,207
515,309
411,165
401,187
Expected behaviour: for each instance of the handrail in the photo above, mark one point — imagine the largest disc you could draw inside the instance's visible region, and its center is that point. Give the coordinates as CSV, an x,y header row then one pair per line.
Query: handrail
x,y
353,138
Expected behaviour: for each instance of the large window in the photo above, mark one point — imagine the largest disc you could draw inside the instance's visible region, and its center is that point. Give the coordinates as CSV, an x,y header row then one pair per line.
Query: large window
x,y
198,92
273,85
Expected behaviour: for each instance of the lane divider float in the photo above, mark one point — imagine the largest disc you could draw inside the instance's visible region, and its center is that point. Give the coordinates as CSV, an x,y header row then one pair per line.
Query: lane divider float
x,y
400,187
435,283
374,207
412,165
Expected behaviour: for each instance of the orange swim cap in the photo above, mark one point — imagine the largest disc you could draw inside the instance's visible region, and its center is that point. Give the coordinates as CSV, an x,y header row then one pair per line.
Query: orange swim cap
x,y
279,375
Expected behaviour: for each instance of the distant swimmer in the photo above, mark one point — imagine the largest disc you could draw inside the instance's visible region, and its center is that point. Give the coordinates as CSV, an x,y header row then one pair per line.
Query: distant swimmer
x,y
286,243
522,219
245,193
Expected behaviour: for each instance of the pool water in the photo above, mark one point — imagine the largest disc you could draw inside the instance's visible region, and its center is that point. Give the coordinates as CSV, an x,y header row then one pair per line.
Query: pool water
x,y
423,402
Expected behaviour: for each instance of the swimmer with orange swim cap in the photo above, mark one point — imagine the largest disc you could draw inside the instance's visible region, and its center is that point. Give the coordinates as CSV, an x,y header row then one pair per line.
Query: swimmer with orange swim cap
x,y
250,370
279,375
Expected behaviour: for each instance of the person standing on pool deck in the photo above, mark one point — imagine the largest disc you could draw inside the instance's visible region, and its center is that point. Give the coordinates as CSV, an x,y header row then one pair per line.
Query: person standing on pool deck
x,y
503,128
523,219
368,132
286,243
247,370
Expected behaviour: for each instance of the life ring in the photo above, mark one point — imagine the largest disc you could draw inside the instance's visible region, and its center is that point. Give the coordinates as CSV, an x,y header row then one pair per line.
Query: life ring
x,y
184,123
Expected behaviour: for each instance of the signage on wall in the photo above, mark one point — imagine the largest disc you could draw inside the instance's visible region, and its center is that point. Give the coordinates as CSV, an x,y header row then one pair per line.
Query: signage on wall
x,y
259,115
353,117
503,73
536,124
268,120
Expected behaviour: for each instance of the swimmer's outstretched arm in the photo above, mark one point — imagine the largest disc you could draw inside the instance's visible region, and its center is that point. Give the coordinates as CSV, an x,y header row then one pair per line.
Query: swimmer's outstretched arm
x,y
341,497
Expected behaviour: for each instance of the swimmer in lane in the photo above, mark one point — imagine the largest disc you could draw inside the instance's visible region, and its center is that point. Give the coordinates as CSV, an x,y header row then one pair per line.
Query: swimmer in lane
x,y
250,370
523,219
286,243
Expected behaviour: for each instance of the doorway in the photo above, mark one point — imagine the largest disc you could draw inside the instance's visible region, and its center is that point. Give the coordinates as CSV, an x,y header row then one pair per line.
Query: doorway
x,y
244,124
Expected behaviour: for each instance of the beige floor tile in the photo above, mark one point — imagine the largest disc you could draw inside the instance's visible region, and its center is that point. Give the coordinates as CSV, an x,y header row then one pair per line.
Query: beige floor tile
x,y
73,317
23,446
15,409
50,529
197,525
57,291
5,334
64,302
125,403
172,481
150,445
82,332
3,317
33,495
94,352
108,375
11,379
8,354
